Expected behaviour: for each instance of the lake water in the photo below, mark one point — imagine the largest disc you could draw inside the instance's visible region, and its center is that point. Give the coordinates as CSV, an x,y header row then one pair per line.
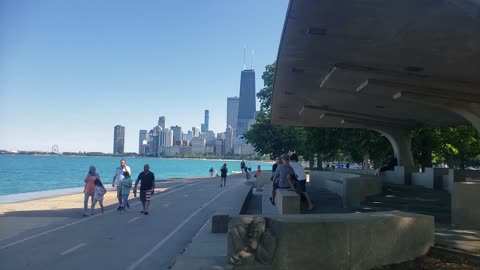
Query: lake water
x,y
20,174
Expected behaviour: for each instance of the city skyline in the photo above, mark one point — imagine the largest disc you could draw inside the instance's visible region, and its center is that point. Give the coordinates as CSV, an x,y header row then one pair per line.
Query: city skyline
x,y
71,82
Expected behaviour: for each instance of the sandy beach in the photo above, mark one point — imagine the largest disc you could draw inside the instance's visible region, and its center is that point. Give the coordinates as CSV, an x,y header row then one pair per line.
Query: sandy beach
x,y
60,202
71,198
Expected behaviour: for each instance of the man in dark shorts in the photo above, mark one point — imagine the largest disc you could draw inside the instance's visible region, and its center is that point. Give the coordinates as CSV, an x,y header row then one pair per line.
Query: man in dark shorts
x,y
147,187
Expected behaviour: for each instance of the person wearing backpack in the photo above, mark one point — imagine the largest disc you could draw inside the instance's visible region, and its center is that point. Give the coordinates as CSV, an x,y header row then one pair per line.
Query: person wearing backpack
x,y
223,174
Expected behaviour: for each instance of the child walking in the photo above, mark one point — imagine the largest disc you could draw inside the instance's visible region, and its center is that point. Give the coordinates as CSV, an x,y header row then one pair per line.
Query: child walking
x,y
126,186
98,196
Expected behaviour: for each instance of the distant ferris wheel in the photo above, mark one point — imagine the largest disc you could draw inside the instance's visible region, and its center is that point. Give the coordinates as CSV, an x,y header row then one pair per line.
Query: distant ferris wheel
x,y
55,149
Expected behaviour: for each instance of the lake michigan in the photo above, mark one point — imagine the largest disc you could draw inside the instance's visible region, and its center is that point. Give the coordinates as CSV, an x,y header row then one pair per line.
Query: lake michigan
x,y
21,173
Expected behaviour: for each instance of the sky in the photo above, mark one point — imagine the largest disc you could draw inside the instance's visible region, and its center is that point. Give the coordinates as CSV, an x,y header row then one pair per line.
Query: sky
x,y
72,70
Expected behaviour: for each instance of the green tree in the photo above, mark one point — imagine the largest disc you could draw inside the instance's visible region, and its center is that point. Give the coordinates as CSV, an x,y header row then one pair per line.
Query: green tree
x,y
321,143
360,144
273,140
460,145
265,94
426,142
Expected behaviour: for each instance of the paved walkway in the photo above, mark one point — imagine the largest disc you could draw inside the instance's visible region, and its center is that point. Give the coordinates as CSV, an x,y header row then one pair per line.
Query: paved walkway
x,y
62,239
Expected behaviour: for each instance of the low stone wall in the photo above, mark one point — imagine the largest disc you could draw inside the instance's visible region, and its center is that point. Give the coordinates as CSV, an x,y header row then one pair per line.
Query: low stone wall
x,y
397,176
358,171
262,179
458,176
328,241
352,188
465,204
432,178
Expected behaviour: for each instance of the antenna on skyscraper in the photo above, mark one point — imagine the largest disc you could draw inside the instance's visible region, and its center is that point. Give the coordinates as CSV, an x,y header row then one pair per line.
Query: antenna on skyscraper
x,y
253,52
244,47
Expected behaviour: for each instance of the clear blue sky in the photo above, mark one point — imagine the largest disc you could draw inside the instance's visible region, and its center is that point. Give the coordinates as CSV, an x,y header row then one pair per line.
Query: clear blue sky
x,y
72,70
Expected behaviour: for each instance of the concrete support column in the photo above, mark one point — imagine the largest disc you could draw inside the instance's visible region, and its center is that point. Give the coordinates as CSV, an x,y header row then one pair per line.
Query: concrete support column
x,y
471,112
402,148
402,145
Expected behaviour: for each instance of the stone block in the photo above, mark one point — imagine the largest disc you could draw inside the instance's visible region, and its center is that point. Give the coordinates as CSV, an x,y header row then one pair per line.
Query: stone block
x,y
383,238
310,242
397,176
220,223
287,202
465,202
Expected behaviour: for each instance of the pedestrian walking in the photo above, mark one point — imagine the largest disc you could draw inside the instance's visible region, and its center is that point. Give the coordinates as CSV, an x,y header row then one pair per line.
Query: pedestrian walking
x,y
117,181
223,175
147,187
100,191
89,189
126,186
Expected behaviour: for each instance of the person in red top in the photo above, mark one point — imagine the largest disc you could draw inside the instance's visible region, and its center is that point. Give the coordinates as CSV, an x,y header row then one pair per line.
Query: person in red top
x,y
89,188
259,171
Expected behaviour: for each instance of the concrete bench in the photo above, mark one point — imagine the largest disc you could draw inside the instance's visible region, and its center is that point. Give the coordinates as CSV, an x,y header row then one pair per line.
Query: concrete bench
x,y
431,178
352,188
338,241
287,202
465,203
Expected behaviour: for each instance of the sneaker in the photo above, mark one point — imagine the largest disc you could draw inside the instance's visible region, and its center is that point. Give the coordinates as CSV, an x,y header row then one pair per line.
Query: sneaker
x,y
146,213
119,208
143,212
271,201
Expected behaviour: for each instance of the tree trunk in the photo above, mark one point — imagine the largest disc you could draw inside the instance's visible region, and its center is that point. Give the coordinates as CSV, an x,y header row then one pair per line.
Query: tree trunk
x,y
365,165
311,163
319,162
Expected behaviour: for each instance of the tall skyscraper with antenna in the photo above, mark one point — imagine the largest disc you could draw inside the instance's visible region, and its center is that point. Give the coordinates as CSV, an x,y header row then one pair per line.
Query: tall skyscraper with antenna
x,y
246,105
204,126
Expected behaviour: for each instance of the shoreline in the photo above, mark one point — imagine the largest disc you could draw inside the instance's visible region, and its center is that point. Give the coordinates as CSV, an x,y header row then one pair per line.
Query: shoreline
x,y
60,200
53,193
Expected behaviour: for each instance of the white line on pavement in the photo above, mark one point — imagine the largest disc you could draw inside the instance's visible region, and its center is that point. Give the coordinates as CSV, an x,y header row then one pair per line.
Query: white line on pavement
x,y
133,219
73,249
88,218
165,205
177,228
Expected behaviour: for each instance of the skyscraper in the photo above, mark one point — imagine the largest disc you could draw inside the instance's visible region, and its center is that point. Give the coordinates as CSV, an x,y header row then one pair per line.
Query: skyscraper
x,y
177,135
161,121
166,137
142,140
118,139
205,123
246,104
228,141
156,140
196,132
232,111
